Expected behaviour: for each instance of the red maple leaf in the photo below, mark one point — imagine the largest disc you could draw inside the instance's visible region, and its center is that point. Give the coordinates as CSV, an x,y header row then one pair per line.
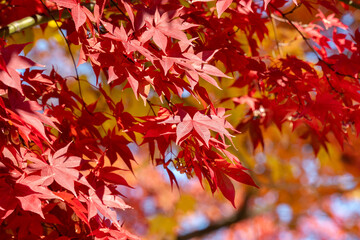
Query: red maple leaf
x,y
112,234
201,124
60,169
159,27
10,56
222,5
26,116
29,190
103,200
331,20
78,12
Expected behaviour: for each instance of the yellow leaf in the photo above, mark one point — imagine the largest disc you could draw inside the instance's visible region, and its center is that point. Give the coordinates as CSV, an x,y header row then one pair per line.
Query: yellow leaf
x,y
162,226
186,203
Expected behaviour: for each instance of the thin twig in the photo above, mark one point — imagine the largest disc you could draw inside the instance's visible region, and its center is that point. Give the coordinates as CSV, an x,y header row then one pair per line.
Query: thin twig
x,y
293,9
301,34
151,107
169,103
281,19
275,32
240,215
71,55
306,40
230,34
117,7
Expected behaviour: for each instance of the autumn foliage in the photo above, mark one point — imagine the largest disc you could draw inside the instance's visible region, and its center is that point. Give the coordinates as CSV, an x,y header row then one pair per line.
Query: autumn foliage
x,y
63,157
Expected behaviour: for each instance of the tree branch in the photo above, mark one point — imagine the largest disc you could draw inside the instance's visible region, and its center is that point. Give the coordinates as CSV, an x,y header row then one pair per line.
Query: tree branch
x,y
35,20
240,215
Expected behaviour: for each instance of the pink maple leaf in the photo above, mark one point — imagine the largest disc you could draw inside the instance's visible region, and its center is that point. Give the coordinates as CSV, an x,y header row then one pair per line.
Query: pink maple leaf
x,y
60,169
159,27
28,115
12,61
201,124
78,12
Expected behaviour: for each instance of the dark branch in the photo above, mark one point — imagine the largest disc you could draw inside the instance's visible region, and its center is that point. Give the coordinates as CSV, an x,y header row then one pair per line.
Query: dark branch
x,y
240,215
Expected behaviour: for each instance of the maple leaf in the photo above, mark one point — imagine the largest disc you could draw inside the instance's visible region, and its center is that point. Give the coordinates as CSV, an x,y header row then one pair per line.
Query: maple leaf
x,y
7,203
153,131
60,169
331,20
253,127
25,192
225,185
75,204
78,12
99,10
113,234
223,170
324,105
29,191
103,200
117,144
222,5
194,66
10,57
194,1
27,113
109,175
201,124
236,171
166,25
20,9
27,225
246,99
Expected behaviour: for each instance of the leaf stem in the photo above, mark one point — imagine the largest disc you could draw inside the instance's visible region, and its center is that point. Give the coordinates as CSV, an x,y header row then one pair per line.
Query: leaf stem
x,y
151,107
